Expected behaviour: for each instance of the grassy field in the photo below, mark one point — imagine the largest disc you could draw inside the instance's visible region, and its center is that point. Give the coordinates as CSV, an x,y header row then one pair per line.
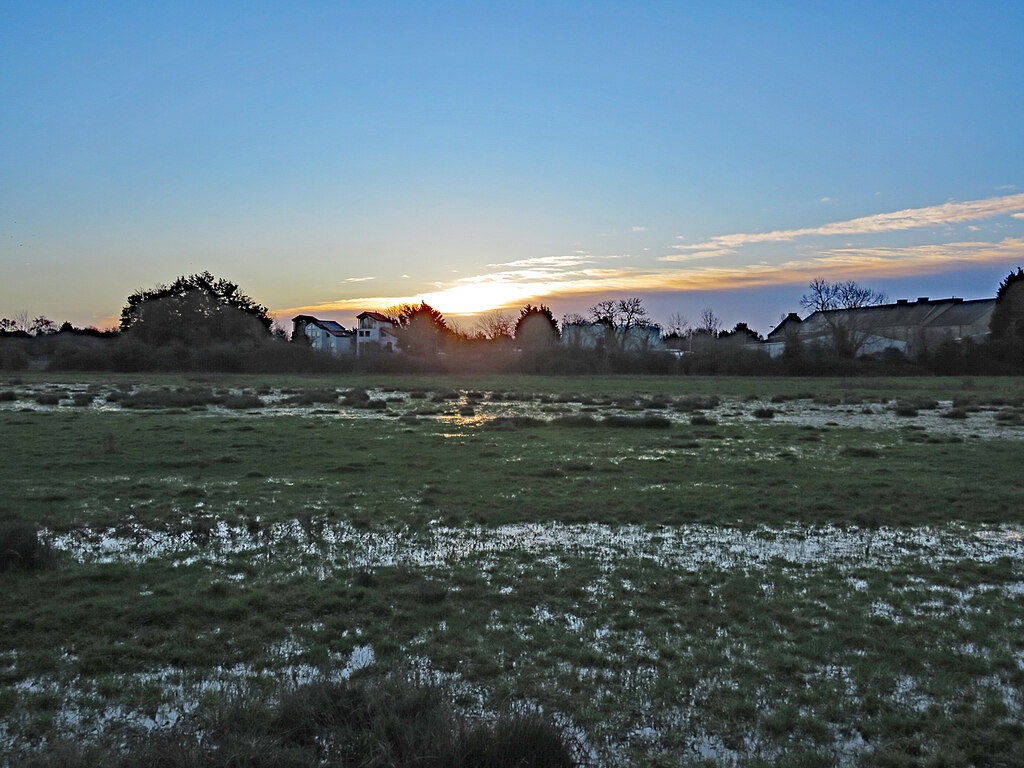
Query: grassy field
x,y
679,571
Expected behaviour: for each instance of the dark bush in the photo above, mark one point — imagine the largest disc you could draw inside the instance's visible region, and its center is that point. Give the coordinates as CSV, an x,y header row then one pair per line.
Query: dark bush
x,y
701,420
764,413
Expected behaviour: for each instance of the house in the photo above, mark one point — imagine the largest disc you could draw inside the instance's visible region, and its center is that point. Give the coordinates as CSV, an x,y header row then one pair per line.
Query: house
x,y
324,335
908,326
375,332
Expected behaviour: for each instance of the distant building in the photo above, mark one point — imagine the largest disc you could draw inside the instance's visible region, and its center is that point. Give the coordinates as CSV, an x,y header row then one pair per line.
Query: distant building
x,y
908,326
323,335
375,331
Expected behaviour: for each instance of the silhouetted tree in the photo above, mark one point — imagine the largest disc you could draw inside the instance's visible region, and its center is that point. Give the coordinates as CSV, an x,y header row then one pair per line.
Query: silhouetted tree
x,y
496,325
1007,323
42,326
195,310
708,323
536,328
421,328
849,329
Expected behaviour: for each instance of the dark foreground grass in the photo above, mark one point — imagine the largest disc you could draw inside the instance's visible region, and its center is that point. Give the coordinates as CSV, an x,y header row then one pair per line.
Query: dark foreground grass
x,y
369,722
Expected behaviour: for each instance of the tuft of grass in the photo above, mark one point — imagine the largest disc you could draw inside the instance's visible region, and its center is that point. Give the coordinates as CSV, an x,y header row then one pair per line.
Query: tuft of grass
x,y
20,546
242,402
764,413
860,452
702,420
647,421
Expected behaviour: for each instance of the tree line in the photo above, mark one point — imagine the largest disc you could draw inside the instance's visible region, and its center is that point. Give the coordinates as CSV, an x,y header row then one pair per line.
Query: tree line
x,y
201,322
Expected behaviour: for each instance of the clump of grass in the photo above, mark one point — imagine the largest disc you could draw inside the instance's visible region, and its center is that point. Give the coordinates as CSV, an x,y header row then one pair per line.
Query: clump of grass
x,y
955,413
581,420
82,399
515,422
313,397
8,395
184,397
20,546
905,408
696,403
860,452
764,413
647,421
1010,416
241,402
47,398
702,420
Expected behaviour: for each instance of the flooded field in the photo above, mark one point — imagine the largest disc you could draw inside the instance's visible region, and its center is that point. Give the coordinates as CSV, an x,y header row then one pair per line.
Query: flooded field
x,y
676,578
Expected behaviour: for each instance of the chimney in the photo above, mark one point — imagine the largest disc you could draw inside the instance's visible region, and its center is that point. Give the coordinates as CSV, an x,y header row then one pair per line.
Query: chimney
x,y
902,301
922,299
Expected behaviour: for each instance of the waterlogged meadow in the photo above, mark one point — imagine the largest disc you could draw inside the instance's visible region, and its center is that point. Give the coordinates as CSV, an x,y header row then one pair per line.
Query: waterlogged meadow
x,y
672,571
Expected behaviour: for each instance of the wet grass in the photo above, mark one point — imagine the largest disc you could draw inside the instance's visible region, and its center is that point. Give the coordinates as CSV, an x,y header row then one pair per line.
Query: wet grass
x,y
753,660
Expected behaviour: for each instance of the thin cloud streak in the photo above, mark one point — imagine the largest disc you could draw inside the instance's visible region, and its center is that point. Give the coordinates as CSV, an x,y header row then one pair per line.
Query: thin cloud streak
x,y
510,288
910,218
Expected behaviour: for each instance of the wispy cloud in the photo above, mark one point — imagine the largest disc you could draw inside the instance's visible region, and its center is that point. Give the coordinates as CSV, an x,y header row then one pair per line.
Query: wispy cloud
x,y
509,288
1017,215
356,279
639,229
910,218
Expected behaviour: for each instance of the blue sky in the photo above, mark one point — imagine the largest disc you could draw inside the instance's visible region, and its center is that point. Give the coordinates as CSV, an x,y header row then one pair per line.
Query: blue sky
x,y
331,157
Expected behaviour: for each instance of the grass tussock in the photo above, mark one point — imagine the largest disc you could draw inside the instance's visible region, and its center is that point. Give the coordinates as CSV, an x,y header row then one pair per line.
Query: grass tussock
x,y
859,452
647,421
20,545
370,722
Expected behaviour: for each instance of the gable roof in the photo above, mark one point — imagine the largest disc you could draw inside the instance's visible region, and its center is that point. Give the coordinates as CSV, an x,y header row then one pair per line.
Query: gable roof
x,y
332,327
374,316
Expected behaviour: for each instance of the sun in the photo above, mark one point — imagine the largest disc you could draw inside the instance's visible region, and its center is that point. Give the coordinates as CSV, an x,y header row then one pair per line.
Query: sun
x,y
484,296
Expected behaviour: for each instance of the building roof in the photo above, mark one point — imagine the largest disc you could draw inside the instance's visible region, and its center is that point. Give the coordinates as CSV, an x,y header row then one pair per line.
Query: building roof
x,y
374,316
332,327
922,313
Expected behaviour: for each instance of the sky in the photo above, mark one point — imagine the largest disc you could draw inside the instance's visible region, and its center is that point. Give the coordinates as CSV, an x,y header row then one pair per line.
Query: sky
x,y
339,156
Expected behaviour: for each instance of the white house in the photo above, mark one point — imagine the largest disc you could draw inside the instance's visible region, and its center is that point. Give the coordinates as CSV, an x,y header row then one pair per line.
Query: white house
x,y
323,335
375,331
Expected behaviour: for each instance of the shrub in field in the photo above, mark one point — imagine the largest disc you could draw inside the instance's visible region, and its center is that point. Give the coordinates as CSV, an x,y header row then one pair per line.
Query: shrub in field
x,y
700,420
955,413
371,722
47,398
20,546
905,408
764,413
